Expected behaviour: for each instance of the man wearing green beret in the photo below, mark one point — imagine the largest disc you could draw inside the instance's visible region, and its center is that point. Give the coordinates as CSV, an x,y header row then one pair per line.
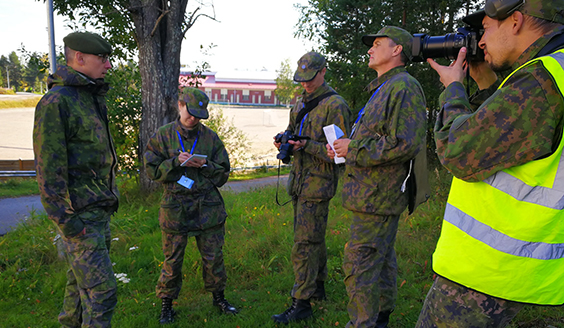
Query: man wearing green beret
x,y
75,162
387,143
191,162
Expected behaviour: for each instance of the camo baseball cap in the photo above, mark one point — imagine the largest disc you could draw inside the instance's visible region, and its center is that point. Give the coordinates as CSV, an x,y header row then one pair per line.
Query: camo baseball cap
x,y
398,35
550,10
196,102
88,43
308,66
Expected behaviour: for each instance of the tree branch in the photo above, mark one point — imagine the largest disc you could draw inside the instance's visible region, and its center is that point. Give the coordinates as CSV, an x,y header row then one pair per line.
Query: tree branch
x,y
158,21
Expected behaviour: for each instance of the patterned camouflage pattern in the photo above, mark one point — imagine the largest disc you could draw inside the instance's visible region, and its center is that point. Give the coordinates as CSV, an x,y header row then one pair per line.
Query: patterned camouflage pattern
x,y
370,268
519,123
210,244
398,35
90,294
550,10
516,124
196,102
308,66
75,162
469,309
314,176
388,136
312,183
309,253
183,210
74,153
198,211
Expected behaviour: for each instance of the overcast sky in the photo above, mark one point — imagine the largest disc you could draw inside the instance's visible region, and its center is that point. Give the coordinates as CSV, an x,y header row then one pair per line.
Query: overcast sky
x,y
248,34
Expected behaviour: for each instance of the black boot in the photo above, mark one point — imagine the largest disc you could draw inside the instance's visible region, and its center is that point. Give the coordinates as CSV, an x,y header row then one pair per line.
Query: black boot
x,y
319,294
167,312
298,311
223,305
383,319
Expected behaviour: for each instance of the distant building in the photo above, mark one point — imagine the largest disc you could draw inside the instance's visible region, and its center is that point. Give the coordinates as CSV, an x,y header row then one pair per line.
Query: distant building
x,y
237,87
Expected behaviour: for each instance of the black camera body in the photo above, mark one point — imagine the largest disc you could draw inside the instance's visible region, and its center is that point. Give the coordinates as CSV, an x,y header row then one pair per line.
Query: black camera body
x,y
448,46
285,150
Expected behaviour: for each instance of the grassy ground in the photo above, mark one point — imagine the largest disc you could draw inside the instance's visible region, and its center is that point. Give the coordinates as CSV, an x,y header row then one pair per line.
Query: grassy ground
x,y
26,102
17,187
259,173
257,250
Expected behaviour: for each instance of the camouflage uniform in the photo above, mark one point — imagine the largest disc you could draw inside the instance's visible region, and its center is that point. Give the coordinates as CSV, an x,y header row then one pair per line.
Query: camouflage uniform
x,y
312,183
527,112
75,163
385,140
198,211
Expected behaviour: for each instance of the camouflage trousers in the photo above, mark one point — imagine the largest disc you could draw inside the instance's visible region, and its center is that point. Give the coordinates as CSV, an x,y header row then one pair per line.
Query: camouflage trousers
x,y
210,244
91,290
451,305
309,253
370,268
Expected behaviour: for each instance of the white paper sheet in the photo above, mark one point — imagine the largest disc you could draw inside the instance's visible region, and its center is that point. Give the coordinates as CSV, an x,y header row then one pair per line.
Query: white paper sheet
x,y
332,133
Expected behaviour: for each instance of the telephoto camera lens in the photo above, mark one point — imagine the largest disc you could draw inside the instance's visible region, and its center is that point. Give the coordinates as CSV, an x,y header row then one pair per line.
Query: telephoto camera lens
x,y
448,45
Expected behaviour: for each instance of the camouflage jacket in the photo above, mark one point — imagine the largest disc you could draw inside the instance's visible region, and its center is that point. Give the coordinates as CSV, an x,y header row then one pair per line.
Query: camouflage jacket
x,y
386,138
514,125
200,207
74,153
314,176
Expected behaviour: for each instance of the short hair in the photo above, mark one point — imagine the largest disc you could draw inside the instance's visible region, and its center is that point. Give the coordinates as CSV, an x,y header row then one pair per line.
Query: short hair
x,y
403,56
542,25
69,54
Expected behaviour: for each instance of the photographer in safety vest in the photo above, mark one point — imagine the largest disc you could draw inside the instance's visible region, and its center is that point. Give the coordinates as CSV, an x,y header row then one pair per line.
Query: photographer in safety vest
x,y
502,235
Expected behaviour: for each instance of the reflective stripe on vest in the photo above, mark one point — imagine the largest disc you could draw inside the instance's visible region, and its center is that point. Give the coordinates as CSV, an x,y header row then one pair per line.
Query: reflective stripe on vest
x,y
504,236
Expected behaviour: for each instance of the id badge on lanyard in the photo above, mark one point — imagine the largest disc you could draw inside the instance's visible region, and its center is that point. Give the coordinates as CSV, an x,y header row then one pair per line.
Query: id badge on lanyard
x,y
184,180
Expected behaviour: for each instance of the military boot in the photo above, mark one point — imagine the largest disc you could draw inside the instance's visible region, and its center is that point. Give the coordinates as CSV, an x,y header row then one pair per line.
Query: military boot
x,y
298,311
319,294
167,312
383,319
223,305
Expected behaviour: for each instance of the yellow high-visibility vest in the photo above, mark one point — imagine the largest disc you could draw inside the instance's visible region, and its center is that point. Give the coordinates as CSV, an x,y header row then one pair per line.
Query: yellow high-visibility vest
x,y
504,236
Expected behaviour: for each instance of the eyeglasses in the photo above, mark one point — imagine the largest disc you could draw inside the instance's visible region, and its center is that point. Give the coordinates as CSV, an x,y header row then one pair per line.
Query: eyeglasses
x,y
104,57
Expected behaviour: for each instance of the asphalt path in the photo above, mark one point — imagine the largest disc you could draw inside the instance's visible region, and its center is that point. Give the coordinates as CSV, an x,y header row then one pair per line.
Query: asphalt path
x,y
14,211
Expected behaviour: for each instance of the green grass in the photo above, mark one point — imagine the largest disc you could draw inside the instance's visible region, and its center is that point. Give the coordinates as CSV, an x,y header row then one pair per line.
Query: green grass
x,y
27,102
259,237
258,173
18,187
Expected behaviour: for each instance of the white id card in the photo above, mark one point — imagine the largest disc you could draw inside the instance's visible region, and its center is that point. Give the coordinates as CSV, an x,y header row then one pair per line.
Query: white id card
x,y
185,182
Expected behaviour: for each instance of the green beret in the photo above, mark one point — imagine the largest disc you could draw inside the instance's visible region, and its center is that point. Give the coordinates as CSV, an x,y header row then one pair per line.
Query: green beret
x,y
88,43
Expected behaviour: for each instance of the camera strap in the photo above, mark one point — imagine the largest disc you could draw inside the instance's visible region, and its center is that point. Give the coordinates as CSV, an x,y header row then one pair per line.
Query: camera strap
x,y
310,105
307,107
278,188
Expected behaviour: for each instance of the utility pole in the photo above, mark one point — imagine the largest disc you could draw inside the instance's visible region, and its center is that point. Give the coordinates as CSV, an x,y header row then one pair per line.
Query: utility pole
x,y
8,74
51,31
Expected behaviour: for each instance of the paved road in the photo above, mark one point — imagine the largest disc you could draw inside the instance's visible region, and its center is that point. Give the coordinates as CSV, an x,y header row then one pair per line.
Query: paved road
x,y
16,210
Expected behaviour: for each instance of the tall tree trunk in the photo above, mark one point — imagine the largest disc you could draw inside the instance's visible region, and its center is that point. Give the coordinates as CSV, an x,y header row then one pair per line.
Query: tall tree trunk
x,y
159,40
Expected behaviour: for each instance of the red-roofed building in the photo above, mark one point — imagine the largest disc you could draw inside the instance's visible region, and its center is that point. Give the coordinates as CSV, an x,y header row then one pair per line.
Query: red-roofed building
x,y
238,87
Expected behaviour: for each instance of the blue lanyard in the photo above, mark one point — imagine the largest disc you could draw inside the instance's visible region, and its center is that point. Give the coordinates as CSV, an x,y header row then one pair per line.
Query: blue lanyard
x,y
182,144
302,124
361,112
